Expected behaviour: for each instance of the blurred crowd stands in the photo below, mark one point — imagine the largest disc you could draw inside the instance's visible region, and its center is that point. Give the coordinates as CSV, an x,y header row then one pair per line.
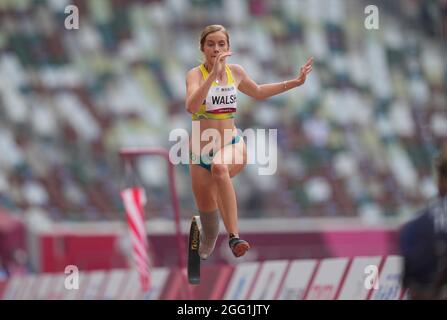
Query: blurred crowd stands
x,y
357,140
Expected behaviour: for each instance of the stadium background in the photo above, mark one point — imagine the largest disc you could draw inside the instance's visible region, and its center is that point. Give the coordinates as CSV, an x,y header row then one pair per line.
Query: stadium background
x,y
355,143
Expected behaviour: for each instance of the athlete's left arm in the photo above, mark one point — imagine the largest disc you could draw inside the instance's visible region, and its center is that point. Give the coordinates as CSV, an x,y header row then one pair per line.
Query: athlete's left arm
x,y
264,91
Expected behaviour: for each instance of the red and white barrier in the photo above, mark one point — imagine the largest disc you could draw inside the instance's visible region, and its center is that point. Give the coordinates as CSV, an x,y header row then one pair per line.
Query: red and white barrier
x,y
297,279
359,278
354,285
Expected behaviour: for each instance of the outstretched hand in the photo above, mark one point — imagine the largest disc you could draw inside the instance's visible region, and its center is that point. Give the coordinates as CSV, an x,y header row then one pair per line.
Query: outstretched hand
x,y
305,70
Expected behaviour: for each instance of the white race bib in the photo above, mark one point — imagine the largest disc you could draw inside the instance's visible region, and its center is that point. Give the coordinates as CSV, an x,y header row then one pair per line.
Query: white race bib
x,y
221,99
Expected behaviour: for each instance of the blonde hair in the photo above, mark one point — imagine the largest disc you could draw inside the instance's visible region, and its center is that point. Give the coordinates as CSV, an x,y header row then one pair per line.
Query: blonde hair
x,y
210,29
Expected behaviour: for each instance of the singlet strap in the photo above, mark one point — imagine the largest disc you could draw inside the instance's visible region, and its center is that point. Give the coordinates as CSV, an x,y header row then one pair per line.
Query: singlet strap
x,y
205,74
229,75
204,71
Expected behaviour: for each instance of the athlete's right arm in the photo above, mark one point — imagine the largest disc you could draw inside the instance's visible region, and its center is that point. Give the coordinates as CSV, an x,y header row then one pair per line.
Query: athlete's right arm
x,y
196,93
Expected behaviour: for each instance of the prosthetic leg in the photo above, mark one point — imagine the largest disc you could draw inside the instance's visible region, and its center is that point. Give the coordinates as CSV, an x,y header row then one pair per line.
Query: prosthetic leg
x,y
193,251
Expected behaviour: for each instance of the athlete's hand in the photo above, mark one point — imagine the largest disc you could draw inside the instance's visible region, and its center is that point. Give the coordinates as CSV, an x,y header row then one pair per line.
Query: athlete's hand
x,y
219,64
305,70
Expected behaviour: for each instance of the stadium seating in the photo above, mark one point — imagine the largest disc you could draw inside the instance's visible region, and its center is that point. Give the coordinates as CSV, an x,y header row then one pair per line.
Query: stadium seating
x,y
355,140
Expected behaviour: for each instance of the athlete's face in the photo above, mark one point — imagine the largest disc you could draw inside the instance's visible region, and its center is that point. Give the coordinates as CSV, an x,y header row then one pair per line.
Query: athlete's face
x,y
215,43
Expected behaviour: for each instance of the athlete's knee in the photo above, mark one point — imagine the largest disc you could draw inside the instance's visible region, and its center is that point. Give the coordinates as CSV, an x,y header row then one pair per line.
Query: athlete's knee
x,y
234,171
220,171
